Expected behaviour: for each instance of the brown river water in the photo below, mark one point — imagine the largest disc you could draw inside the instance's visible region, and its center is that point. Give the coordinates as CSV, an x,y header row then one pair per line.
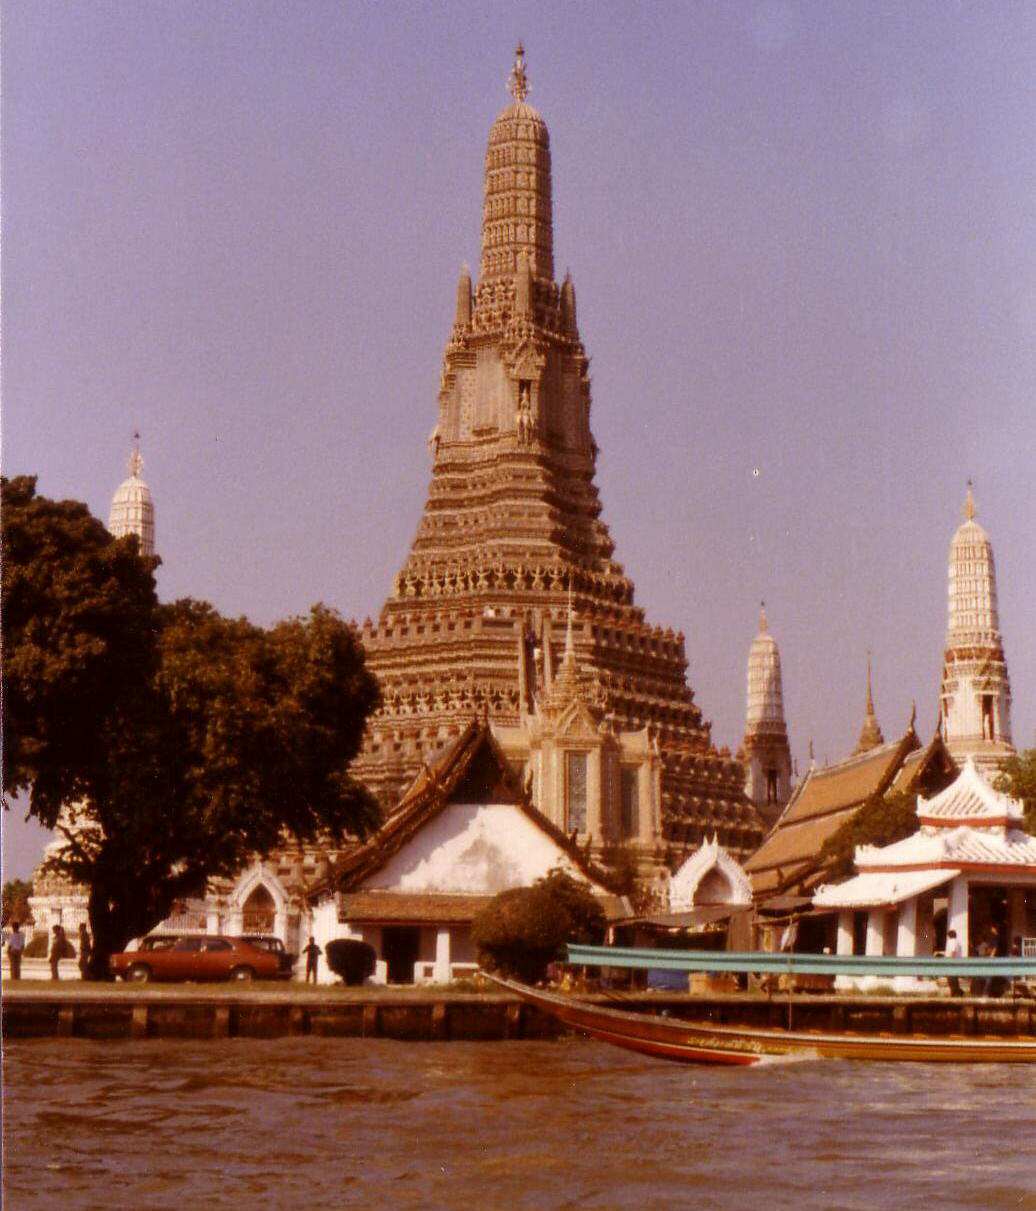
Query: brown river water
x,y
335,1123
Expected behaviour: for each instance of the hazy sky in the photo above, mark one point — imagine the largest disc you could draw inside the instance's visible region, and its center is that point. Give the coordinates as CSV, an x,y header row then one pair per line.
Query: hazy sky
x,y
803,239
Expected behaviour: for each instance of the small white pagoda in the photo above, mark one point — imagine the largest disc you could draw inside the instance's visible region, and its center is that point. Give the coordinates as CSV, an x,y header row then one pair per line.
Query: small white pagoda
x,y
970,861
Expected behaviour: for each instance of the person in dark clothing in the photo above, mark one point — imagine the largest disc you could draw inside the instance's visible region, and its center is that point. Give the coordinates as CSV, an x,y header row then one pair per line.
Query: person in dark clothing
x,y
312,953
85,951
57,950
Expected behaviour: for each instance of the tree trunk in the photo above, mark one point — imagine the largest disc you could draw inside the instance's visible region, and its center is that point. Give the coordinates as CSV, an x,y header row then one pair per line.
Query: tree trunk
x,y
111,932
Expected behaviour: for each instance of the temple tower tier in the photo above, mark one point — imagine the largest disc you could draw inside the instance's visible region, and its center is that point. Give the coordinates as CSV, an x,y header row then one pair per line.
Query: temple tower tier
x,y
511,555
975,702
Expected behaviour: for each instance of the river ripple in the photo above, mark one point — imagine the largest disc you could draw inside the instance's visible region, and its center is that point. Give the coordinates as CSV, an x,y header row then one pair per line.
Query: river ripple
x,y
342,1123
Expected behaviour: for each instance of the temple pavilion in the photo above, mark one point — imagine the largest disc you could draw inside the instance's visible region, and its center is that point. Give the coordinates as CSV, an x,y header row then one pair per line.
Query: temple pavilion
x,y
511,605
969,867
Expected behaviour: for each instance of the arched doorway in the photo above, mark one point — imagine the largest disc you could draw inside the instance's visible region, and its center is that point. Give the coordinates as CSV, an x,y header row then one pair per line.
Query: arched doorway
x,y
258,912
714,888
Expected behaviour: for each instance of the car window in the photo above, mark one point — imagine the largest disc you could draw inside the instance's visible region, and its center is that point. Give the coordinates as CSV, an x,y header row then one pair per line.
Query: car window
x,y
217,944
157,943
188,944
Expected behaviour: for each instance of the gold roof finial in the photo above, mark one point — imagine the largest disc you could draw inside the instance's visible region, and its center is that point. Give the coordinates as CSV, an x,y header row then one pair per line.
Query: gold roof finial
x,y
135,461
969,504
518,83
763,624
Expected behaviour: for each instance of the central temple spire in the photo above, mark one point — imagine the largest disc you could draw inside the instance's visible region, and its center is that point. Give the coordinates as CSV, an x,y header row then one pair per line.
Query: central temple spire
x,y
511,547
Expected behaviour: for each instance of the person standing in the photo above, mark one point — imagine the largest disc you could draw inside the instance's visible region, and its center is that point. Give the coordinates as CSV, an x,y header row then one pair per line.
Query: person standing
x,y
953,951
85,951
57,950
312,953
15,946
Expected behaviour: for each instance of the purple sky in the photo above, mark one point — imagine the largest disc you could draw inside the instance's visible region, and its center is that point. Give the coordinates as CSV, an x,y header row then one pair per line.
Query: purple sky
x,y
803,239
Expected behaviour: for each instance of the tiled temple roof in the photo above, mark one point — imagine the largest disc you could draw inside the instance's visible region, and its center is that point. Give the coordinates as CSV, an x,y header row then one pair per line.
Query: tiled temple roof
x,y
826,798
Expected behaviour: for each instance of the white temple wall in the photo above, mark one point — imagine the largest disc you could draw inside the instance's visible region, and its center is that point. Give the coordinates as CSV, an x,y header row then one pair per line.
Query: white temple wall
x,y
472,849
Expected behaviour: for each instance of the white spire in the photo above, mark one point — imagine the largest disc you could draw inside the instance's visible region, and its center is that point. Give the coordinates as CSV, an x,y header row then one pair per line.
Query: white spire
x,y
133,510
976,690
767,756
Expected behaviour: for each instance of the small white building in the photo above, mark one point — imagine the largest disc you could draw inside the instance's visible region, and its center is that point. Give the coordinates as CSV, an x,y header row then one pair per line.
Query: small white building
x,y
464,831
970,867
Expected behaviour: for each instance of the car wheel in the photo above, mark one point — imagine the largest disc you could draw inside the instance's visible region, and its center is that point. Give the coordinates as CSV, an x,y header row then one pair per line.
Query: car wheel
x,y
139,973
242,974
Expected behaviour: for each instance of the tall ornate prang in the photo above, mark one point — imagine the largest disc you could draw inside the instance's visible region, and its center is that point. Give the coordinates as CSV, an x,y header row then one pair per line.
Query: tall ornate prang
x,y
976,691
133,510
511,545
767,756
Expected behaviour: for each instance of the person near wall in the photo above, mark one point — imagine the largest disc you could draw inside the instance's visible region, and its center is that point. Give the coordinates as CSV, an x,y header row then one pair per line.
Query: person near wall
x,y
15,946
312,953
953,951
85,952
58,942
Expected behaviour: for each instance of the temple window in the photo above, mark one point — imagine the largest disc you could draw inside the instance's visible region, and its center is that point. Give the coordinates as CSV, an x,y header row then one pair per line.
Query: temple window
x,y
771,786
629,800
575,791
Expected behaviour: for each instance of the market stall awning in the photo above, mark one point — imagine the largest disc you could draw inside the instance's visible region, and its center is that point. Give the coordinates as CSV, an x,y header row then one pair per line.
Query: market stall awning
x,y
873,889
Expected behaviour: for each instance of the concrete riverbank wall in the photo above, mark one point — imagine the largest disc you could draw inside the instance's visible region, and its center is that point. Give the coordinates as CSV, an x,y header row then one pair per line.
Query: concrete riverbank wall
x,y
441,1016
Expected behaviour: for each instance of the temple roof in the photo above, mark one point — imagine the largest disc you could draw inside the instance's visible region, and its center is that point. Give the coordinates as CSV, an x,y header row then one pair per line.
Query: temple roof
x,y
969,800
956,847
941,849
821,803
472,769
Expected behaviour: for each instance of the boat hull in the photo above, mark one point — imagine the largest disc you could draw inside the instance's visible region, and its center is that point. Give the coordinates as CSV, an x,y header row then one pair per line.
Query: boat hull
x,y
703,1043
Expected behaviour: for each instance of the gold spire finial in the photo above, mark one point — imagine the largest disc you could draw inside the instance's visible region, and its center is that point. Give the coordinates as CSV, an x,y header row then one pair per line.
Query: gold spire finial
x,y
135,461
969,504
870,734
518,83
763,624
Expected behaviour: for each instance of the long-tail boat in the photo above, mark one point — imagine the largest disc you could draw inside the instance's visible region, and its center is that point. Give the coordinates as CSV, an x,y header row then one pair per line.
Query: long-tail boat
x,y
703,1042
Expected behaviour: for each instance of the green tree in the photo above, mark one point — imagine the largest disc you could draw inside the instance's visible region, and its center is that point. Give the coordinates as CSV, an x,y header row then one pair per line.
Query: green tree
x,y
166,744
15,907
878,822
1018,779
524,929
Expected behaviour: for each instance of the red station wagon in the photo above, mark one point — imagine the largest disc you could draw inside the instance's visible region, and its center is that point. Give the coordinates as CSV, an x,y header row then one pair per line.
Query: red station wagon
x,y
195,957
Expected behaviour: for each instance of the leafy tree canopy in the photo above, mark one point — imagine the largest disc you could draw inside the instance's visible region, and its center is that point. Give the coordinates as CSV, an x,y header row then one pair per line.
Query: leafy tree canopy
x,y
166,743
1018,779
16,893
524,929
877,822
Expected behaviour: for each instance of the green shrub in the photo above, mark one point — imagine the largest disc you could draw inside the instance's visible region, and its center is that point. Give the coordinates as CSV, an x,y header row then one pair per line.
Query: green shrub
x,y
38,945
522,930
351,959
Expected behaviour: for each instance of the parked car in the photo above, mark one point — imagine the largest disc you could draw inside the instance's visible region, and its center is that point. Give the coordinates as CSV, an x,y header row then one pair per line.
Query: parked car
x,y
275,946
194,957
